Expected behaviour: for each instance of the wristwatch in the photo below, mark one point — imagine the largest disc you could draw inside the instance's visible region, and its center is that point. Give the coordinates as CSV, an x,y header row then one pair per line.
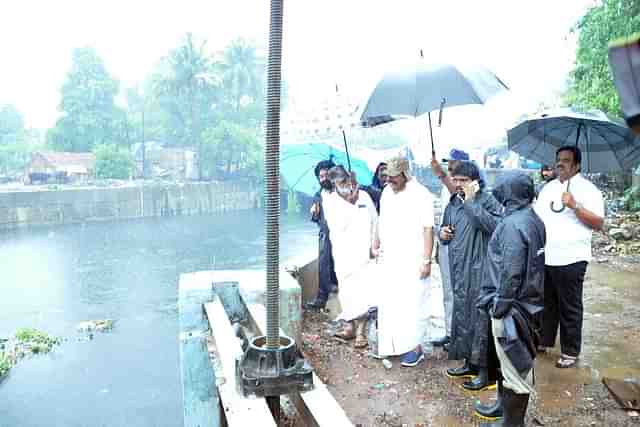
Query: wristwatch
x,y
426,261
578,206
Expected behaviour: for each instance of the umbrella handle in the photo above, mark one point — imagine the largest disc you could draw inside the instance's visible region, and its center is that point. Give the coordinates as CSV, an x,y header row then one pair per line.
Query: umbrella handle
x,y
346,149
433,149
552,206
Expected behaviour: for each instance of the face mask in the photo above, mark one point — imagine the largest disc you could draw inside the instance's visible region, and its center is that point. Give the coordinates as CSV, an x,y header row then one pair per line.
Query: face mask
x,y
326,184
344,191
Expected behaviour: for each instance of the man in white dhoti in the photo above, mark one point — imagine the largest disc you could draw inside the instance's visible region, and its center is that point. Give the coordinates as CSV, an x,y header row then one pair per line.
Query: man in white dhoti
x,y
403,246
352,219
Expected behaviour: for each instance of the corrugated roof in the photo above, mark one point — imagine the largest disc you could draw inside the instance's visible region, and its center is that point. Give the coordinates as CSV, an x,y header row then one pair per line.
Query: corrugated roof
x,y
87,160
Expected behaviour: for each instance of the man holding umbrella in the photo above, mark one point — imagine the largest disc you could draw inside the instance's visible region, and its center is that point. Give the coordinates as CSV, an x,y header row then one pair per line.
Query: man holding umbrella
x,y
327,280
568,251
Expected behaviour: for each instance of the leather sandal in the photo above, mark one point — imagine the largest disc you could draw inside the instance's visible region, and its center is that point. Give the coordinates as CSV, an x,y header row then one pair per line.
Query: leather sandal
x,y
347,332
361,338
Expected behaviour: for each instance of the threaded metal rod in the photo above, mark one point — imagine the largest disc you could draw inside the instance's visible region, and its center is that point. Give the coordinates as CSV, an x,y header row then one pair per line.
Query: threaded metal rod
x,y
272,175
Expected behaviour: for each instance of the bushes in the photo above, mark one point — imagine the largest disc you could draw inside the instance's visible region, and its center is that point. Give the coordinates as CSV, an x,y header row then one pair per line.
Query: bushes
x,y
5,364
631,199
112,162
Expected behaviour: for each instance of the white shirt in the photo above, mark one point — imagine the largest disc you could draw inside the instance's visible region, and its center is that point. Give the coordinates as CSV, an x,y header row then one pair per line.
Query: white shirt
x,y
568,239
403,218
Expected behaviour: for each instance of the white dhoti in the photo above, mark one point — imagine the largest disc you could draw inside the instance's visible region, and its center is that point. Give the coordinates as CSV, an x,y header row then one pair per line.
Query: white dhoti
x,y
408,306
352,227
357,292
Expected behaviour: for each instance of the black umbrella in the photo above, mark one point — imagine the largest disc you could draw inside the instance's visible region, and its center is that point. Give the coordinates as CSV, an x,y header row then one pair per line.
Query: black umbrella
x,y
430,87
606,145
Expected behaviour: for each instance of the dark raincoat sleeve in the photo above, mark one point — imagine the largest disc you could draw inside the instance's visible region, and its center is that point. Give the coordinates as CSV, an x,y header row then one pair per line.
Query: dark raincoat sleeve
x,y
446,219
483,212
514,267
317,199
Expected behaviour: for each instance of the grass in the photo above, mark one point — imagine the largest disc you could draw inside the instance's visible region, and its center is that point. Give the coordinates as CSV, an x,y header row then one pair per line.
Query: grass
x,y
5,364
39,342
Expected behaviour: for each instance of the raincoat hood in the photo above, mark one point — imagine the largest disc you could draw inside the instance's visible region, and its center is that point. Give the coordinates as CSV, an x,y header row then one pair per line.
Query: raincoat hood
x,y
515,191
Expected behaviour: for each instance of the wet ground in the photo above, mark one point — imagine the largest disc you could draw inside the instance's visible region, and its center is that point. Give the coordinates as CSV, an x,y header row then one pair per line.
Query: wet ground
x,y
424,396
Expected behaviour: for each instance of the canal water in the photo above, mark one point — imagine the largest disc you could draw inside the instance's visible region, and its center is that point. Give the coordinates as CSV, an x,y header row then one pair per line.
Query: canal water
x,y
52,279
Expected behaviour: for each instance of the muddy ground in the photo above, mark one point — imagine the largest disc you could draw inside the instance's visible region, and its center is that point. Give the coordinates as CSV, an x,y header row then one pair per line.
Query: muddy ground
x,y
423,396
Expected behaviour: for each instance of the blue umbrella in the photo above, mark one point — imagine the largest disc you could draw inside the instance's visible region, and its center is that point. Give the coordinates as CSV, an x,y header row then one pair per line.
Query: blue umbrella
x,y
298,162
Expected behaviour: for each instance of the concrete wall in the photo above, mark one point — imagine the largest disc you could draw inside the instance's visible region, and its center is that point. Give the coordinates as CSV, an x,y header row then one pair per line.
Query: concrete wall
x,y
21,209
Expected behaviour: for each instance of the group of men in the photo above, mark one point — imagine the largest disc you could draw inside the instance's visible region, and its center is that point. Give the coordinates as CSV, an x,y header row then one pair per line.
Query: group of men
x,y
512,263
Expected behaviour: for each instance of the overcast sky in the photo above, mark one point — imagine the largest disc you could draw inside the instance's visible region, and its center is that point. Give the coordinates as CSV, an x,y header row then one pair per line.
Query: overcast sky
x,y
349,42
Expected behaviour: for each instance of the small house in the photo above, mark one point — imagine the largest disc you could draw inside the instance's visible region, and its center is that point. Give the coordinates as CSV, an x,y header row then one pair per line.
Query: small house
x,y
60,167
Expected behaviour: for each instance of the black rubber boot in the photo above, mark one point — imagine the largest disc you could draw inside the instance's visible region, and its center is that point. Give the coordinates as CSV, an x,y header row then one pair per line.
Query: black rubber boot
x,y
479,383
515,408
465,371
491,412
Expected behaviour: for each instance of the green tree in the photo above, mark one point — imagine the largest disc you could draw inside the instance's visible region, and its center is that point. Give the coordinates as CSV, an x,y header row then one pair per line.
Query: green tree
x,y
11,124
113,162
89,114
232,150
186,86
243,74
591,84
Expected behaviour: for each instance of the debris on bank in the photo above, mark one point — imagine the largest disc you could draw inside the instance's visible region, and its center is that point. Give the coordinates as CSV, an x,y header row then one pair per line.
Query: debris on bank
x,y
26,342
620,237
96,325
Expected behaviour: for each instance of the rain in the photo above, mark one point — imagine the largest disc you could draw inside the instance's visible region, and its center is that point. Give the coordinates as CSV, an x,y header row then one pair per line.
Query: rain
x,y
134,156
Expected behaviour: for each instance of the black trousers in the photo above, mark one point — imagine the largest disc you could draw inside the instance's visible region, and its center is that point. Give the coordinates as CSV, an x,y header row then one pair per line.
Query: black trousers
x,y
326,270
563,306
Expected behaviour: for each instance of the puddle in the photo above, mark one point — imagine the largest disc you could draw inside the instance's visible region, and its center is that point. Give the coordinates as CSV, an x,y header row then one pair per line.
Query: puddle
x,y
611,342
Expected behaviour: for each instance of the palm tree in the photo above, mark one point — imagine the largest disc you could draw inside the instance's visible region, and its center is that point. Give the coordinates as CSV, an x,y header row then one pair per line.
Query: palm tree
x,y
188,86
242,74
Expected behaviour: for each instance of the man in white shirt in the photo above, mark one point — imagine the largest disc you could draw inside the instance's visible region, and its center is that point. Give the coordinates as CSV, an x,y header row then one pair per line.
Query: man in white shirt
x,y
352,219
568,250
404,243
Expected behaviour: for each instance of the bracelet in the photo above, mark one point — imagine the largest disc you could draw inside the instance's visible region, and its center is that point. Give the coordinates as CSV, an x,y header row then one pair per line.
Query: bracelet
x,y
426,261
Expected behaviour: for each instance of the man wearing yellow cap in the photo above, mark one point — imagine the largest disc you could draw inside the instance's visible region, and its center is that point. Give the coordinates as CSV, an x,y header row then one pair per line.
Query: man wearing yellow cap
x,y
403,246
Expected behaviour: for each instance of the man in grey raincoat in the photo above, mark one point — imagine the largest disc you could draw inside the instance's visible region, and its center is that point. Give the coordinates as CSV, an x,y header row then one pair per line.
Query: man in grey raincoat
x,y
513,295
469,221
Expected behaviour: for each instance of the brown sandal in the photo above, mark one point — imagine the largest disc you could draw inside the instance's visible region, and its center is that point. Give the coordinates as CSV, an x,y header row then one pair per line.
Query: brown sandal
x,y
361,338
361,342
347,332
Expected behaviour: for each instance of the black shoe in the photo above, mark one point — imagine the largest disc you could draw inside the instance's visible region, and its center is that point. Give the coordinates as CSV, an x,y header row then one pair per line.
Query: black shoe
x,y
465,371
481,382
316,305
491,412
440,342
